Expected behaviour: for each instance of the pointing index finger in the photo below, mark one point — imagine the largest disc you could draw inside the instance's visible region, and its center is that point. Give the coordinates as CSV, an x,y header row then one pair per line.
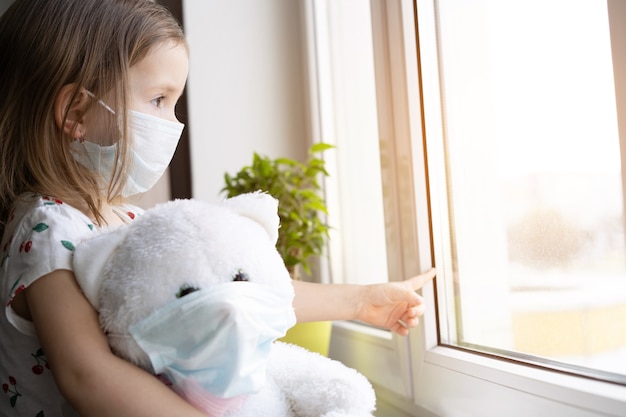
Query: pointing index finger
x,y
418,281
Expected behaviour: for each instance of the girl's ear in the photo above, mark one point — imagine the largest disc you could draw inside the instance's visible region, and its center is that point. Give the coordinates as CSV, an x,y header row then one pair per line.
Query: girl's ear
x,y
72,125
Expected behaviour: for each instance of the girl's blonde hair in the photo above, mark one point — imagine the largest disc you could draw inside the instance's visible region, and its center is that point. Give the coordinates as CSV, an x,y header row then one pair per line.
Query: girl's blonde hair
x,y
46,45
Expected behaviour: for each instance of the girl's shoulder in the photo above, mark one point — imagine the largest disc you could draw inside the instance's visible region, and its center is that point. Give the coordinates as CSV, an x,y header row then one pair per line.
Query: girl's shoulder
x,y
41,218
35,200
38,207
39,204
128,212
40,237
37,213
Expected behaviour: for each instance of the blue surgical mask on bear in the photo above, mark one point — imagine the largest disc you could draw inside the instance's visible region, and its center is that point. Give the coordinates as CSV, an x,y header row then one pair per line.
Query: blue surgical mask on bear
x,y
218,338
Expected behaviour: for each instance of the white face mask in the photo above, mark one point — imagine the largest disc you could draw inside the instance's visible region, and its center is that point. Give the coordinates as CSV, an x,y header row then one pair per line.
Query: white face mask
x,y
154,143
214,343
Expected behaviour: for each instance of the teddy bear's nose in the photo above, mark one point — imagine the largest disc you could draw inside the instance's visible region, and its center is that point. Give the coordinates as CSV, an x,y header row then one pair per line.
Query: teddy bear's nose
x,y
241,276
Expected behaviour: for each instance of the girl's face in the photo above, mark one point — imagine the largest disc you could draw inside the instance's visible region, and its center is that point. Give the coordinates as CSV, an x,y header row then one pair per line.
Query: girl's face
x,y
155,83
158,80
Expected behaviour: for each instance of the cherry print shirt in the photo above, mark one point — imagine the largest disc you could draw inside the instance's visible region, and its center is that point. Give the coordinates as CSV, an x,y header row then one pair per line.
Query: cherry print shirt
x,y
40,237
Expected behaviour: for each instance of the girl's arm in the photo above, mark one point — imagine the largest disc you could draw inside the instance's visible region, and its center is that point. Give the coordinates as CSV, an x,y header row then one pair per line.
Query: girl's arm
x,y
395,305
94,381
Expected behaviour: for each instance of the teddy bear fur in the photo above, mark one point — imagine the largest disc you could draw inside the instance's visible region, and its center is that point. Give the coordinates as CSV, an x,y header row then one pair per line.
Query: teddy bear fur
x,y
129,272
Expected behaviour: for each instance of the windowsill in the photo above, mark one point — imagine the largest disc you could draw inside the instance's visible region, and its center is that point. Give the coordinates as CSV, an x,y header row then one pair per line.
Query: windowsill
x,y
363,330
577,391
371,351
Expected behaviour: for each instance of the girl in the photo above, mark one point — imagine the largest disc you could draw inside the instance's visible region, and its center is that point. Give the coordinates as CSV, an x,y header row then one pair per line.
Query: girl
x,y
87,97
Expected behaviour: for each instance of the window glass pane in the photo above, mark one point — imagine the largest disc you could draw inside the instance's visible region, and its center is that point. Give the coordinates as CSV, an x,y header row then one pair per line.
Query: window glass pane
x,y
535,184
348,117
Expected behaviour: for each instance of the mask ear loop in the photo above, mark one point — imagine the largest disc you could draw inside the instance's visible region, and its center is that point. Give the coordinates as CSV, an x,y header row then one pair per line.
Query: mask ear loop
x,y
100,102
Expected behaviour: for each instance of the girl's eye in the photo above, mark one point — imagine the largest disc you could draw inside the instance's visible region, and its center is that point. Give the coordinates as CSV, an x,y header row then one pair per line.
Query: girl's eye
x,y
157,101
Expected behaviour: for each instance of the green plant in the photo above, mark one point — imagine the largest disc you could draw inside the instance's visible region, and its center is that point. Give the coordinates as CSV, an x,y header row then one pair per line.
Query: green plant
x,y
301,206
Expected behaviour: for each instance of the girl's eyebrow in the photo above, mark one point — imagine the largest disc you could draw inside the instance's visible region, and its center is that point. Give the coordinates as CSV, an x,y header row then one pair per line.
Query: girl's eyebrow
x,y
168,88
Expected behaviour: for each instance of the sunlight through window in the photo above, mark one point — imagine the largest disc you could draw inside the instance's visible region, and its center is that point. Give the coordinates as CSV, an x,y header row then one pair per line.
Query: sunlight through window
x,y
535,183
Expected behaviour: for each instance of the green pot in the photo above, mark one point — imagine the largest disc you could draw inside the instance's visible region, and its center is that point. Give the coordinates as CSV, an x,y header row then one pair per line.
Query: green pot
x,y
314,336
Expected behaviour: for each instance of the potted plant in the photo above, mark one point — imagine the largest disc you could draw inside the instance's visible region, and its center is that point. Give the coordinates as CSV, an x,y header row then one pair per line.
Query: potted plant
x,y
302,211
301,208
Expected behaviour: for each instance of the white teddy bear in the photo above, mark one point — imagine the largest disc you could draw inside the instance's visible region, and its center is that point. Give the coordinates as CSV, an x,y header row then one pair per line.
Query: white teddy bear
x,y
197,293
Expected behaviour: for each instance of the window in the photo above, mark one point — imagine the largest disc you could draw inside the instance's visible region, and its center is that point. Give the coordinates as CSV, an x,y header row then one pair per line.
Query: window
x,y
346,116
495,152
534,183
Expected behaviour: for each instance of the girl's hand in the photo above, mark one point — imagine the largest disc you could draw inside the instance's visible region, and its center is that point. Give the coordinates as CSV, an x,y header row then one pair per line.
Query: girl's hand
x,y
394,305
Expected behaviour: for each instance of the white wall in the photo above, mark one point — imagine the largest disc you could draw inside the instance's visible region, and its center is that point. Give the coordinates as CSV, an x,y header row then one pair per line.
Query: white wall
x,y
246,86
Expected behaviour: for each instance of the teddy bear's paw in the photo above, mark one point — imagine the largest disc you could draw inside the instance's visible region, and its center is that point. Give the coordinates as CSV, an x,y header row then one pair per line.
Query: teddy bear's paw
x,y
317,386
269,402
342,414
349,394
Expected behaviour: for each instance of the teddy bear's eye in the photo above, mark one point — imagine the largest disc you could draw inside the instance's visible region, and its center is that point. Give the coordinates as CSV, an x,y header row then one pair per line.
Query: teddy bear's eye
x,y
241,276
186,290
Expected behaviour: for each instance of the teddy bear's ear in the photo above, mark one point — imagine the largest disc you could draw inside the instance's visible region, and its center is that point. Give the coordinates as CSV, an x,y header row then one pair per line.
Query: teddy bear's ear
x,y
90,258
260,207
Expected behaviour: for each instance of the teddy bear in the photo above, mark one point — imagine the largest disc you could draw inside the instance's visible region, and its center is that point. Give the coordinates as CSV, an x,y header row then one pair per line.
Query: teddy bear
x,y
197,294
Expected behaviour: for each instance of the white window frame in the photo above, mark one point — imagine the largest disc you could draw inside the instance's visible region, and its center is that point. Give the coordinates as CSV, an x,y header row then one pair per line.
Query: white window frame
x,y
416,376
